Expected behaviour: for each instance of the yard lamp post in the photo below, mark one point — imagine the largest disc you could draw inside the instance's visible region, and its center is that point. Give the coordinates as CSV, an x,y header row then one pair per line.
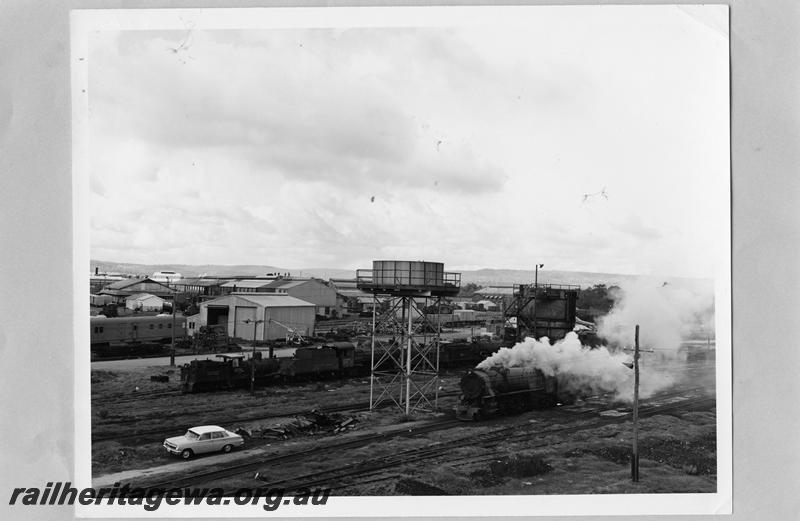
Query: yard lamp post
x,y
535,295
253,356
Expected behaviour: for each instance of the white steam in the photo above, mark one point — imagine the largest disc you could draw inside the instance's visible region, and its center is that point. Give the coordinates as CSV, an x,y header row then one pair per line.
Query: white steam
x,y
580,370
666,314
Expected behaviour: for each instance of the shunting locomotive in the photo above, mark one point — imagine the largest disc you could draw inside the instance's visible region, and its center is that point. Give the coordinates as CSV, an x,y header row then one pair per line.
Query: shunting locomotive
x,y
501,390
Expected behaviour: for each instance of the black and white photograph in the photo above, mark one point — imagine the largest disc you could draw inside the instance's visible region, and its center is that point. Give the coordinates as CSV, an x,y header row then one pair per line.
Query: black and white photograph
x,y
426,258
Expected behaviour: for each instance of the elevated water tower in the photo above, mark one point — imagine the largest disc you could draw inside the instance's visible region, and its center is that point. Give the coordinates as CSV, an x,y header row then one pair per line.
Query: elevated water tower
x,y
406,330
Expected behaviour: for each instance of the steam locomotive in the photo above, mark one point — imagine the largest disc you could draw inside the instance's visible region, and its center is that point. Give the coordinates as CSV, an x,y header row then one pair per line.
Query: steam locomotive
x,y
500,390
315,362
331,359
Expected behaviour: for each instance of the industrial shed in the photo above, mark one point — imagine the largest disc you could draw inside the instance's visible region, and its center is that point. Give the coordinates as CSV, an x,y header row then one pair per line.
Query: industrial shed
x,y
238,312
310,290
488,305
123,289
247,286
144,302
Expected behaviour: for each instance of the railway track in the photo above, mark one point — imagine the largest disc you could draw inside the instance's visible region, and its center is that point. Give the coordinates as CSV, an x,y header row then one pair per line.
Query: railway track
x,y
340,475
133,397
250,466
161,432
172,430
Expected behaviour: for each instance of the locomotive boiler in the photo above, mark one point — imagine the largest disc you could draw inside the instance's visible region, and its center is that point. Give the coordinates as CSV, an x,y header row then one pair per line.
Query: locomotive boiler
x,y
501,390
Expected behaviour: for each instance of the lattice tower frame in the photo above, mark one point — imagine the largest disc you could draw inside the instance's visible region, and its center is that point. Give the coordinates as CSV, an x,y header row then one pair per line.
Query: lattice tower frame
x,y
405,366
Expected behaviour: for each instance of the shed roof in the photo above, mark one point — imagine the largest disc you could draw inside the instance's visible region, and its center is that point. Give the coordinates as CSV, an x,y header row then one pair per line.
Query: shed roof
x,y
269,300
353,293
286,284
122,284
143,296
198,281
247,283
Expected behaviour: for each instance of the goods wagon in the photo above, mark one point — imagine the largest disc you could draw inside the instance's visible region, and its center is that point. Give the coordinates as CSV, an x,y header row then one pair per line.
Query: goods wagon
x,y
501,390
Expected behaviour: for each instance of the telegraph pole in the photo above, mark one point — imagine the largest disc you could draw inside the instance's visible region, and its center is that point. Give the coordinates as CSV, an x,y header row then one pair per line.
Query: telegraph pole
x,y
172,349
635,457
253,356
253,362
535,298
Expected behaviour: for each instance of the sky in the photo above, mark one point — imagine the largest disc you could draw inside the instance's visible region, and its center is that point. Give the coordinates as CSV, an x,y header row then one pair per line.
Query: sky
x,y
587,139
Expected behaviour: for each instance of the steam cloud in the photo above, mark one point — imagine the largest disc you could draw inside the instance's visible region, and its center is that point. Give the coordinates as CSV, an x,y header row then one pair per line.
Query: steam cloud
x,y
665,314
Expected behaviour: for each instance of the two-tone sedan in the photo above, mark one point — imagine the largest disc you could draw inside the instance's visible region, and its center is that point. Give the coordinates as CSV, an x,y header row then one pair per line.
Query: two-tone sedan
x,y
199,440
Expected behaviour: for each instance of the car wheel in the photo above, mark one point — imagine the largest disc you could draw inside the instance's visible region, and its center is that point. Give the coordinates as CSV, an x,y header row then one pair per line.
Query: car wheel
x,y
187,453
227,448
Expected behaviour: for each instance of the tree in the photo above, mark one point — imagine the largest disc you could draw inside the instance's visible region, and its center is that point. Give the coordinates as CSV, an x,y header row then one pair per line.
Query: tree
x,y
469,289
597,300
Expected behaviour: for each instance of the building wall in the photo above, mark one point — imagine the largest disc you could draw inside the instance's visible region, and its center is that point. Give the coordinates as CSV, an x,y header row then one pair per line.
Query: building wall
x,y
100,300
151,303
241,313
315,292
193,324
300,318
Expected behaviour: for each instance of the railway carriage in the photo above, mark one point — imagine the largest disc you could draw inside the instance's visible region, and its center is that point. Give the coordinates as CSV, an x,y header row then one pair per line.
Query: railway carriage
x,y
135,329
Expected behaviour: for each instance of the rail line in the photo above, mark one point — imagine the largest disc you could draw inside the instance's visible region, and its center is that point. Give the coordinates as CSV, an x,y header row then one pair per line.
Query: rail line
x,y
439,449
163,431
133,397
491,438
241,468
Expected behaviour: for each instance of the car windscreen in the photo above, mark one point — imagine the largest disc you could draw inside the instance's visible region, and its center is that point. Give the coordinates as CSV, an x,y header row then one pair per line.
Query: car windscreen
x,y
192,435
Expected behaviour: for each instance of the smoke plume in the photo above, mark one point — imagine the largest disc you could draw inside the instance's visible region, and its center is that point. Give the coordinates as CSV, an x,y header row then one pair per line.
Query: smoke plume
x,y
666,315
580,370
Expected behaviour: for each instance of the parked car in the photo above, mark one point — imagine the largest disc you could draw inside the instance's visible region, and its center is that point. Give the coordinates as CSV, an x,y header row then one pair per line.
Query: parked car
x,y
199,440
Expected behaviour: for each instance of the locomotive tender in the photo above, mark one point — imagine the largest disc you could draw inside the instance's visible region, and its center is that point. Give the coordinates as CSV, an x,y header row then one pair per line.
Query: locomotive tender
x,y
501,390
331,359
327,360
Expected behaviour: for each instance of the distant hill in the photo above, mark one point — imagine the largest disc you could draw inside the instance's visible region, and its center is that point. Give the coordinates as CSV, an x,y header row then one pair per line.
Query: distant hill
x,y
584,279
482,277
187,270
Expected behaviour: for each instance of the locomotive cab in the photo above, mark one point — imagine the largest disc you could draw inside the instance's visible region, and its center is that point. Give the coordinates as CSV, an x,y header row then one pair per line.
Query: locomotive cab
x,y
485,393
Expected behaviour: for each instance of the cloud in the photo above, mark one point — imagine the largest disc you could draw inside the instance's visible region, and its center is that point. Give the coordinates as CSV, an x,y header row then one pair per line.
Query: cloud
x,y
313,146
315,112
634,225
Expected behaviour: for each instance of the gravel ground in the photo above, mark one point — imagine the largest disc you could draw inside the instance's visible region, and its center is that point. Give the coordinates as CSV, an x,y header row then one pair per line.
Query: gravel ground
x,y
677,450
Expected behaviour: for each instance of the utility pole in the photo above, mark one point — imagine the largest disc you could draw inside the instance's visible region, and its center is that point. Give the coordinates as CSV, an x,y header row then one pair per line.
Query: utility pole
x,y
535,297
253,356
253,363
269,323
635,457
172,349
